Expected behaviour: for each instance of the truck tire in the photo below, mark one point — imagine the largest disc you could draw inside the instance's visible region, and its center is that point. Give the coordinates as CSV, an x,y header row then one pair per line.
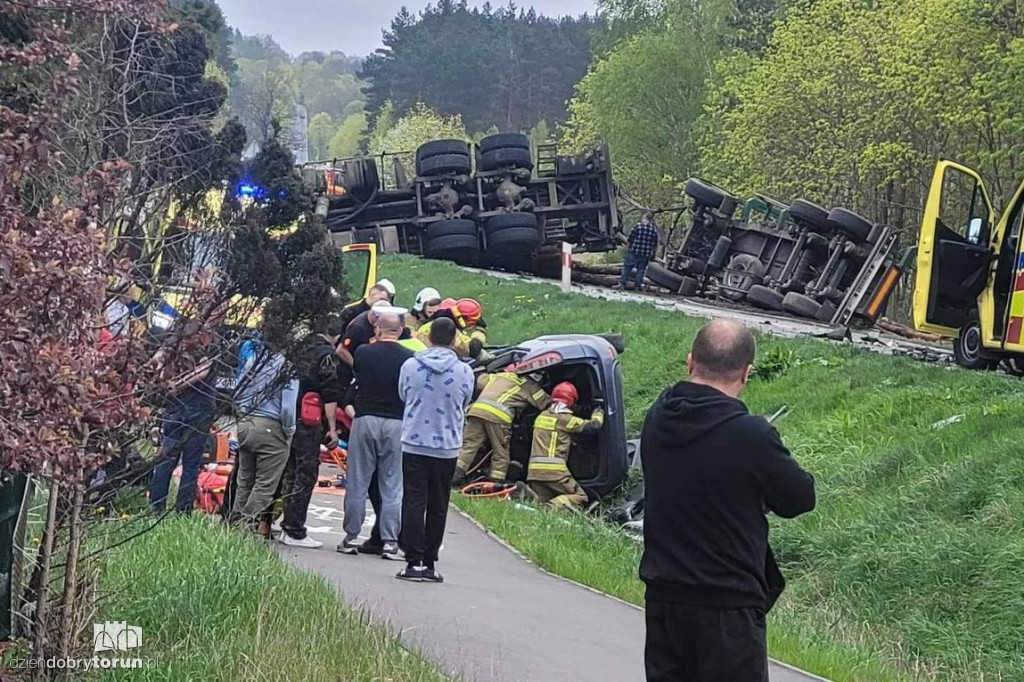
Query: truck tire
x,y
856,227
506,221
461,248
711,195
800,305
504,141
751,271
664,277
764,297
363,179
507,157
721,250
967,348
520,240
443,164
689,287
440,147
810,215
696,266
447,228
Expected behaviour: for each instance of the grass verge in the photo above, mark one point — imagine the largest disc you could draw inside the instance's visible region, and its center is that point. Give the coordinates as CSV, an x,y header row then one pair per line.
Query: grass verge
x,y
214,605
910,567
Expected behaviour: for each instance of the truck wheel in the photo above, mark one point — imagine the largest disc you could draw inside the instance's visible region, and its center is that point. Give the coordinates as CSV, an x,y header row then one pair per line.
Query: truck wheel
x,y
504,141
461,248
967,348
721,250
827,311
518,240
856,227
505,221
801,305
441,147
711,195
443,164
446,228
763,297
664,277
750,271
362,179
508,157
810,215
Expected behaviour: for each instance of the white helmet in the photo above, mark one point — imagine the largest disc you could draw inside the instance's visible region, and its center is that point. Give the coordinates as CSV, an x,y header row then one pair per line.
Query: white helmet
x,y
426,295
386,283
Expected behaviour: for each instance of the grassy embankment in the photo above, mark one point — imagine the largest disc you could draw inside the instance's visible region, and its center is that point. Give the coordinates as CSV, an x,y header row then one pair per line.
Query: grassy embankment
x,y
217,606
910,568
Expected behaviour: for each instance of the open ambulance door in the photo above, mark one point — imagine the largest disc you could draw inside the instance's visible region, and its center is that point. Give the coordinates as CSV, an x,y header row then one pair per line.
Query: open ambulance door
x,y
954,252
360,265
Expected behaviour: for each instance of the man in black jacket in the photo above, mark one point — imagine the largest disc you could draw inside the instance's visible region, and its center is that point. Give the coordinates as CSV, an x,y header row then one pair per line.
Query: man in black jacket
x,y
712,470
321,388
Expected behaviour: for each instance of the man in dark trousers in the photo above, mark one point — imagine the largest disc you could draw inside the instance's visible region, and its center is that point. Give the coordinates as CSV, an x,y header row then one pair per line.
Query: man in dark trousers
x,y
436,388
712,471
641,245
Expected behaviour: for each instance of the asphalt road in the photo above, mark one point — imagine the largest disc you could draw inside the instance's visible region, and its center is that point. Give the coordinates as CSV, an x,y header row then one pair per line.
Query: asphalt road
x,y
497,618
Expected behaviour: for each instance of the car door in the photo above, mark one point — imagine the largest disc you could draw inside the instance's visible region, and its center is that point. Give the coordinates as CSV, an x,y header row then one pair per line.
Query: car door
x,y
360,264
955,251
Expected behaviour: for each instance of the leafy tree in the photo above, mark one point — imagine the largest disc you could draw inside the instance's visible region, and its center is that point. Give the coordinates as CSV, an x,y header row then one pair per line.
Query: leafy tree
x,y
321,130
420,125
267,95
348,137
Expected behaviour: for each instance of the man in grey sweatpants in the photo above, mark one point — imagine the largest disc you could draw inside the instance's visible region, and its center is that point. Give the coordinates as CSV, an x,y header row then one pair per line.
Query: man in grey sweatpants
x,y
375,444
266,399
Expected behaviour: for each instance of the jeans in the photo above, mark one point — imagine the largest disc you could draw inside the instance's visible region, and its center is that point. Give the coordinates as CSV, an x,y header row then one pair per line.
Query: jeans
x,y
185,437
428,487
633,261
304,463
699,644
375,446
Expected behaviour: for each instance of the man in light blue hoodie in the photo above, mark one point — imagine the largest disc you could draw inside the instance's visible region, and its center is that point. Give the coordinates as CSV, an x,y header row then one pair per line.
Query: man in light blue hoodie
x,y
437,388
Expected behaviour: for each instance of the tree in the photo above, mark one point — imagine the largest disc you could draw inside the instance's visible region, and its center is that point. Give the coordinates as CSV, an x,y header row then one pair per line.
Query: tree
x,y
321,131
267,94
347,138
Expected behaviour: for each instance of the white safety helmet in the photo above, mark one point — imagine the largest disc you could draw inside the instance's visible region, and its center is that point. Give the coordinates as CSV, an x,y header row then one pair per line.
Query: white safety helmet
x,y
386,283
426,295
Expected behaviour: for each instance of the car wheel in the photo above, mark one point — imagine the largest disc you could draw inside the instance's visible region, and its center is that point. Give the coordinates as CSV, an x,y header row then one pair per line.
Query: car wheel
x,y
445,228
460,248
442,147
664,277
968,350
443,164
504,141
801,305
810,215
506,221
856,227
763,297
743,272
711,195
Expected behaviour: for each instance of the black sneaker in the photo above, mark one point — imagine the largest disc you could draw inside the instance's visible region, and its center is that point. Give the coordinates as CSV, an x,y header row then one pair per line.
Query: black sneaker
x,y
370,548
392,552
432,575
412,573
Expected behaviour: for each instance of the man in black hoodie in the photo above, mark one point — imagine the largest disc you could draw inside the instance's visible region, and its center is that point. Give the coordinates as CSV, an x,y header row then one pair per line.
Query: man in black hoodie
x,y
712,470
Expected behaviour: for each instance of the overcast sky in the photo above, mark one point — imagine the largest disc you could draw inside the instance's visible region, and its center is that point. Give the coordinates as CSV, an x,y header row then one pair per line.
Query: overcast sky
x,y
352,26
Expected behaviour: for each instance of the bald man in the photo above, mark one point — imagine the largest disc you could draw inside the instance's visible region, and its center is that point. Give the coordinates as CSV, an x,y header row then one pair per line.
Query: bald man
x,y
375,444
711,471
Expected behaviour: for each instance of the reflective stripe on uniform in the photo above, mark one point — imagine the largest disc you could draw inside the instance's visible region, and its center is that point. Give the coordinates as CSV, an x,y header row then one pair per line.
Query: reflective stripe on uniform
x,y
539,394
548,464
497,410
546,423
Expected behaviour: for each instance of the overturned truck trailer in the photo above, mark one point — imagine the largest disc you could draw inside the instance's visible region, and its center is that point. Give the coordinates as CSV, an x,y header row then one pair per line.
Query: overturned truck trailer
x,y
502,202
830,265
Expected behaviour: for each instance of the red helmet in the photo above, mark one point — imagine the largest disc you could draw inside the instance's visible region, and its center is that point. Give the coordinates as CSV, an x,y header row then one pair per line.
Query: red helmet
x,y
448,303
470,310
565,393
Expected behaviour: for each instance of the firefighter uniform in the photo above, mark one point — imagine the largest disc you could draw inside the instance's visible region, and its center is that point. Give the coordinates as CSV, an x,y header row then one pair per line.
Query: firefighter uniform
x,y
548,476
489,419
462,339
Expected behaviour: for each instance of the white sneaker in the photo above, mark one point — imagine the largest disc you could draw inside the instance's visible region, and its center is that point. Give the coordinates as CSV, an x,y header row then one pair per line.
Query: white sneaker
x,y
306,542
392,552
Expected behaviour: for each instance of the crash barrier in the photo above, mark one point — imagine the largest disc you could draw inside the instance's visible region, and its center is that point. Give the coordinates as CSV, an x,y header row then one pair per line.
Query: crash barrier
x,y
12,492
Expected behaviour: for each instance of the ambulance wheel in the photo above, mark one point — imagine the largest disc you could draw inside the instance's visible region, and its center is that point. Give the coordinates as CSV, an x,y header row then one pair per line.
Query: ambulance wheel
x,y
968,350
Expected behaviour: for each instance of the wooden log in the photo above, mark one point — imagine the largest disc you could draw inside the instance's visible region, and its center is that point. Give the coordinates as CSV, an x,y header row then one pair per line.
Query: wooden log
x,y
597,268
905,331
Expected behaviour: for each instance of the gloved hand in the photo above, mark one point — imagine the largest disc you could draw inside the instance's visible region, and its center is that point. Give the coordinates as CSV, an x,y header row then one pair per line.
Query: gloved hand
x,y
598,413
475,348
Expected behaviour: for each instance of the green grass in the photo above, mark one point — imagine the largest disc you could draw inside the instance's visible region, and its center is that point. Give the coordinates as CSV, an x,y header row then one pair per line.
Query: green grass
x,y
913,559
216,605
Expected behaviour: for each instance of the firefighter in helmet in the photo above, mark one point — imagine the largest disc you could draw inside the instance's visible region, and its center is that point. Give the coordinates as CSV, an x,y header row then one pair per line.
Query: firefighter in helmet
x,y
489,420
548,476
428,302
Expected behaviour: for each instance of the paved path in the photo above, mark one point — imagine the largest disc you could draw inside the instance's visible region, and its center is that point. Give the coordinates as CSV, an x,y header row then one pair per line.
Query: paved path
x,y
497,618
